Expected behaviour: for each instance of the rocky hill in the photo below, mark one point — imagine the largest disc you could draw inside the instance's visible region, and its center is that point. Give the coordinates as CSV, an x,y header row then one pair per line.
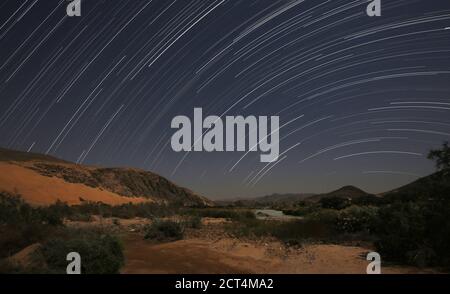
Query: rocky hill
x,y
42,179
347,192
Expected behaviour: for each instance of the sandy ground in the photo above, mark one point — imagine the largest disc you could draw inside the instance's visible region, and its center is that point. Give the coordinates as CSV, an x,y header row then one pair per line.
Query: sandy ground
x,y
230,256
207,252
37,189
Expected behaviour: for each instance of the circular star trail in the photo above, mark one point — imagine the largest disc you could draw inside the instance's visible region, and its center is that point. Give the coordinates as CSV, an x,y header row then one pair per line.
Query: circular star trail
x,y
360,99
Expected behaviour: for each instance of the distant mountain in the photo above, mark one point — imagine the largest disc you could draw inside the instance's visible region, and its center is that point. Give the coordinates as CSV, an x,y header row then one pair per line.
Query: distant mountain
x,y
434,185
286,198
42,179
272,199
348,192
293,198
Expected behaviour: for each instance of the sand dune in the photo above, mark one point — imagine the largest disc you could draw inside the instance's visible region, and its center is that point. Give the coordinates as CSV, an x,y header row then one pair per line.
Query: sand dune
x,y
41,190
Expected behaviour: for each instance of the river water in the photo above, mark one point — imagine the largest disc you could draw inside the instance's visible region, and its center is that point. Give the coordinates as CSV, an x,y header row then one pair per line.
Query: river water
x,y
272,214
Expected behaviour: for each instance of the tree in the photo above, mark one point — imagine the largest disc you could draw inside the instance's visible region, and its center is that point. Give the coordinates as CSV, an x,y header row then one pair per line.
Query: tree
x,y
442,157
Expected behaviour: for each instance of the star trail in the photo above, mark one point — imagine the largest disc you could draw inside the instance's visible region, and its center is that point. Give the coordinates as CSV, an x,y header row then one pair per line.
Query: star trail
x,y
361,99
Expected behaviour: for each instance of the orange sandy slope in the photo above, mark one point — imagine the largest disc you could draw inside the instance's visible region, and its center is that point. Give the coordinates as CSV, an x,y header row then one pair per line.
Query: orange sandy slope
x,y
37,189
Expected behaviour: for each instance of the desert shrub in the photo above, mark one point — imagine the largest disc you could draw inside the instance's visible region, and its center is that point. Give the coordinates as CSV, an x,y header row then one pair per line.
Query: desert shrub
x,y
56,212
357,219
335,203
51,217
14,238
22,225
415,232
400,229
164,231
193,222
14,211
100,253
302,210
251,228
415,226
327,216
232,214
80,217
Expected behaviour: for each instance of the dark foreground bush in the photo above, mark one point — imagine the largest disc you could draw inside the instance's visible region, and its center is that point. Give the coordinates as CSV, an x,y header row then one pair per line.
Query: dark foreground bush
x,y
14,211
164,231
100,253
14,238
22,225
416,233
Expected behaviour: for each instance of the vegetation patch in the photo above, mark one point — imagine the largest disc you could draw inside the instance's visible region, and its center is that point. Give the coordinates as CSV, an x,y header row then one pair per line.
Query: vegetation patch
x,y
22,225
164,231
227,213
100,253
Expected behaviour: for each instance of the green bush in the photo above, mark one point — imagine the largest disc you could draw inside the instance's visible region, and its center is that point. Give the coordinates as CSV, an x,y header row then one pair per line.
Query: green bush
x,y
100,253
328,216
22,225
14,211
80,217
194,222
355,219
302,210
164,231
14,238
417,233
251,228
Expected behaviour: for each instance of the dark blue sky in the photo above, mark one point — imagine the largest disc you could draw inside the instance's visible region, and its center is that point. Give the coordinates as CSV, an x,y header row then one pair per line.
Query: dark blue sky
x,y
370,94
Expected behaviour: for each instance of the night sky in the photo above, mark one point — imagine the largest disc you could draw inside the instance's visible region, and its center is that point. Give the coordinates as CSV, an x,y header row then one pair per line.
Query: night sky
x,y
361,99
